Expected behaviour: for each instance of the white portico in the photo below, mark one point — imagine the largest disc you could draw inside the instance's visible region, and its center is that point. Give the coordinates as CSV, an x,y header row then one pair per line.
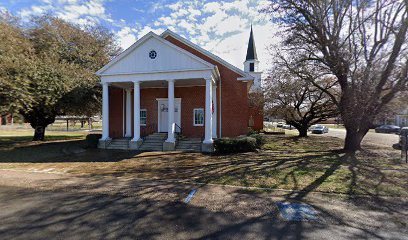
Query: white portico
x,y
153,62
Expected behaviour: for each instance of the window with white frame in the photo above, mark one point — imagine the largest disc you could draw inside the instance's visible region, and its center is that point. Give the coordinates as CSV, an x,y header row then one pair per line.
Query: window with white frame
x,y
198,117
143,117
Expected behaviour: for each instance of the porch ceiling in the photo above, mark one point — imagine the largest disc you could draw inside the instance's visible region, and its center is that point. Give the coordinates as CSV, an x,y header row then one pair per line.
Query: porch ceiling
x,y
162,84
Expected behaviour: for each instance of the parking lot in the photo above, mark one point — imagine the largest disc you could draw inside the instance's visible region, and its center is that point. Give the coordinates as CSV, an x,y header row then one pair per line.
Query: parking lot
x,y
380,139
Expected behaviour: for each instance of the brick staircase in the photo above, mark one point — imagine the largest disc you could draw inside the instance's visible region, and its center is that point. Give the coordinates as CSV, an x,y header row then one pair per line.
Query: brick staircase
x,y
188,144
153,142
121,143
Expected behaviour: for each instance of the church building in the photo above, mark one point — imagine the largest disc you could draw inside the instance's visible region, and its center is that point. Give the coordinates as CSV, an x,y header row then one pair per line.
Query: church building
x,y
165,93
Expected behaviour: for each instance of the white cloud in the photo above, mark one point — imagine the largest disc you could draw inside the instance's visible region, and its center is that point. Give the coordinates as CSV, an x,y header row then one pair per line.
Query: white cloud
x,y
126,37
84,12
211,7
224,29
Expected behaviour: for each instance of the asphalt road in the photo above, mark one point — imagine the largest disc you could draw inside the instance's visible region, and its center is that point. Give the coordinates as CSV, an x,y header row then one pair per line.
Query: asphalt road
x,y
48,206
380,139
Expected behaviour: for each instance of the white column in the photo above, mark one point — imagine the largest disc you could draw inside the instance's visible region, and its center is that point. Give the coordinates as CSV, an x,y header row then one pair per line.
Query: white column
x,y
105,111
128,113
136,109
208,114
214,116
171,122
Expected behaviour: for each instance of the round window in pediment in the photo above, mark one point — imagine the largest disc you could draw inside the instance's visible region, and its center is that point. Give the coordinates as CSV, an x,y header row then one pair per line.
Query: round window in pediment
x,y
152,54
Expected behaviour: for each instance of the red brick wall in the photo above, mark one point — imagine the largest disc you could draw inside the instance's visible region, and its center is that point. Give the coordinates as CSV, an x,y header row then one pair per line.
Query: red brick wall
x,y
257,117
115,112
235,106
191,97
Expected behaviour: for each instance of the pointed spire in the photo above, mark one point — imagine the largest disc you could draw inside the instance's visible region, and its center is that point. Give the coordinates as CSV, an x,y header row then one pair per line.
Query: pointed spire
x,y
251,51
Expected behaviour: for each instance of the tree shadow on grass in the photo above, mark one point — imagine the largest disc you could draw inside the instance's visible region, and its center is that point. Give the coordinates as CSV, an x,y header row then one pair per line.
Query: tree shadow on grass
x,y
58,149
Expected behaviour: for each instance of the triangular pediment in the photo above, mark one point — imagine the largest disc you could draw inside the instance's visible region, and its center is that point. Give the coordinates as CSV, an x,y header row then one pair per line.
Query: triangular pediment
x,y
152,53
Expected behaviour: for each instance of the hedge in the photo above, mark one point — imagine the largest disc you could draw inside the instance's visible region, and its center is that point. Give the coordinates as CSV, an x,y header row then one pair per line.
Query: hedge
x,y
235,145
260,140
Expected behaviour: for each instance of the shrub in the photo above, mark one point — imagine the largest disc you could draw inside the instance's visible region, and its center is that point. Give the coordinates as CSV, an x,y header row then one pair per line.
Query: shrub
x,y
251,132
235,145
260,140
92,140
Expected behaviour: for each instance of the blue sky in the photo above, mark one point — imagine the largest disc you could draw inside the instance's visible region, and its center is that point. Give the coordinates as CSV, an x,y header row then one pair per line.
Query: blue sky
x,y
221,27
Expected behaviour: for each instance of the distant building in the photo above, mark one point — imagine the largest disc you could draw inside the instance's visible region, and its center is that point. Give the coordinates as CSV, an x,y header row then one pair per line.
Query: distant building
x,y
6,120
399,119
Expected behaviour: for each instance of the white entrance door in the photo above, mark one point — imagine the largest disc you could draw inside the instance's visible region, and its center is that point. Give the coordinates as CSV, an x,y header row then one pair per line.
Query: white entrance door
x,y
163,109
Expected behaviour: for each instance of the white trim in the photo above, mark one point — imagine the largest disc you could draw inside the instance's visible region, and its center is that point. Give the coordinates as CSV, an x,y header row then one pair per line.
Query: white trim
x,y
208,113
162,99
158,71
163,76
136,111
142,40
177,101
220,123
194,124
123,112
176,86
207,53
105,111
143,125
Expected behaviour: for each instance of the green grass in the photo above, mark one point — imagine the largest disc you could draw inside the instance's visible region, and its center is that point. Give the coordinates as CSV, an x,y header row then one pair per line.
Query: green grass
x,y
16,146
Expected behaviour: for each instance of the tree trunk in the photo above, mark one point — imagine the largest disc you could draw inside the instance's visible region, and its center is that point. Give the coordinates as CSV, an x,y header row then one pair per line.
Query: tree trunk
x,y
353,140
39,133
302,132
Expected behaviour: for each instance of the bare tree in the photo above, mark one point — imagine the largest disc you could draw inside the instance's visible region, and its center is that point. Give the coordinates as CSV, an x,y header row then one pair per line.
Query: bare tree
x,y
362,43
299,102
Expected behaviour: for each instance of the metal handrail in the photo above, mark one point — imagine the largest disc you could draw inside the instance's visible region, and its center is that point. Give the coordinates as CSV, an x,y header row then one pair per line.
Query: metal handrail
x,y
181,130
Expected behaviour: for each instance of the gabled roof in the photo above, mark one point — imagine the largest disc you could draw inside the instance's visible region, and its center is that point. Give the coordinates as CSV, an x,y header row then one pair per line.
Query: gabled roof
x,y
245,76
141,41
251,50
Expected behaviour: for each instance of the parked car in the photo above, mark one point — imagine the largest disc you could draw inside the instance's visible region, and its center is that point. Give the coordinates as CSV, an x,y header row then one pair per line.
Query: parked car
x,y
287,126
387,129
319,129
280,124
313,127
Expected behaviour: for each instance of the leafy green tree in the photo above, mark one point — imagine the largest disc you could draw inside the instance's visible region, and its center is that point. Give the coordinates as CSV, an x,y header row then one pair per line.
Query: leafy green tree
x,y
15,57
62,79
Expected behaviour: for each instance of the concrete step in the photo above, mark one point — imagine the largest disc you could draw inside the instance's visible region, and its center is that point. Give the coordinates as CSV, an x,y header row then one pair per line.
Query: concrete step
x,y
153,141
151,149
188,144
118,144
152,145
118,147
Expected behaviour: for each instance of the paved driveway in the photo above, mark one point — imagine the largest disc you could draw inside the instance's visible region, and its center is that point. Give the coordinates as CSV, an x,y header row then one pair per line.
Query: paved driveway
x,y
50,206
380,139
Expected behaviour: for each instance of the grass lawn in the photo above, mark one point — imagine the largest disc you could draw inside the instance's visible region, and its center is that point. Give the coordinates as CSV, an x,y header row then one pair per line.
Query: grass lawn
x,y
285,162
